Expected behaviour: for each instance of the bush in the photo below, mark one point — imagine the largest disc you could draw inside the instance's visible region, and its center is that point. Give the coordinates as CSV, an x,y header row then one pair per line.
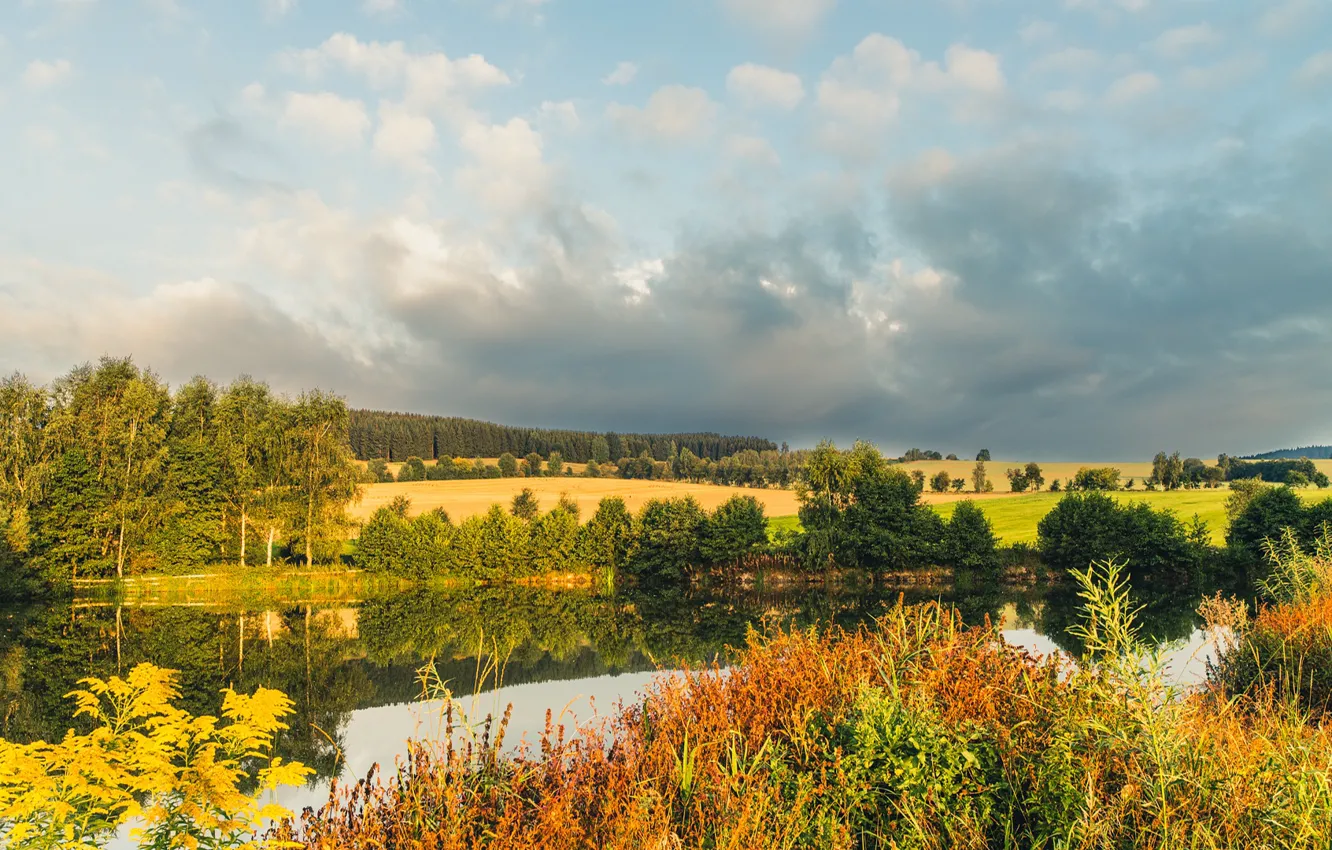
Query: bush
x,y
494,546
968,540
669,533
413,470
377,469
1092,480
1087,527
386,541
508,465
1266,513
554,541
607,542
735,529
525,505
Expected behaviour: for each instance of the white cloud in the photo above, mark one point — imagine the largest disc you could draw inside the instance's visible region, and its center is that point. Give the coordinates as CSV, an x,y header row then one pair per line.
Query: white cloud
x,y
1131,87
381,7
342,122
673,113
561,113
782,18
508,173
623,75
753,149
761,86
1316,69
41,75
429,80
1180,42
1287,18
863,89
404,136
278,8
974,70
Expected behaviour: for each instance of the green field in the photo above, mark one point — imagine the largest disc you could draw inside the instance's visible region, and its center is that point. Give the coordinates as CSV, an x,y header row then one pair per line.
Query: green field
x,y
1015,517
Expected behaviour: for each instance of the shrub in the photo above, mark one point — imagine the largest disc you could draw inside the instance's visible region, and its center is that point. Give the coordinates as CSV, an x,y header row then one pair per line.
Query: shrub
x,y
1087,527
508,465
554,541
669,532
1099,479
147,758
736,528
412,470
939,483
1266,513
525,505
607,542
386,542
968,540
377,469
494,546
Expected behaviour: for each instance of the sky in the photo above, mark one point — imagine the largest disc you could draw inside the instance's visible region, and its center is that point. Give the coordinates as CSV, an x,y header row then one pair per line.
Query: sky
x,y
1058,229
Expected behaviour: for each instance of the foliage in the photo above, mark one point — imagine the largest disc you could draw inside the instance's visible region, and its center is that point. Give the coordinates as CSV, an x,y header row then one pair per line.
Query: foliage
x,y
1094,480
940,482
968,540
413,469
1267,513
508,465
912,732
978,477
1087,527
147,759
736,528
669,534
525,505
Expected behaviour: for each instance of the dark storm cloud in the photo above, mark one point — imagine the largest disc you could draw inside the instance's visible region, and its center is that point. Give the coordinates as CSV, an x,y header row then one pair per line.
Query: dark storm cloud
x,y
1081,313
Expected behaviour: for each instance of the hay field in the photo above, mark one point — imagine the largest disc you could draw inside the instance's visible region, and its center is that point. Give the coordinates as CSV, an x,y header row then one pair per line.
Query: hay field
x,y
1140,471
578,468
469,498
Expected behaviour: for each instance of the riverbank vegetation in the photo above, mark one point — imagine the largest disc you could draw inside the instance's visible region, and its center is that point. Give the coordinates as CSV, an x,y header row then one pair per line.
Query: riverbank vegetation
x,y
914,731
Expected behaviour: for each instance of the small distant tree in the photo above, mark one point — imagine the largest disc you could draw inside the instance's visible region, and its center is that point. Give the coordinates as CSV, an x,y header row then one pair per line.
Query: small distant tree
x,y
568,505
555,465
1095,480
1017,480
1128,485
1320,480
592,470
1055,486
413,470
939,483
378,468
525,505
951,457
978,478
1034,476
983,455
1295,478
443,470
533,461
918,478
959,484
600,449
508,465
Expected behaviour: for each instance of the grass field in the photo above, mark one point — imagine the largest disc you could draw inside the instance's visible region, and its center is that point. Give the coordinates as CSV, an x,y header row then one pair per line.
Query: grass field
x,y
468,498
1140,471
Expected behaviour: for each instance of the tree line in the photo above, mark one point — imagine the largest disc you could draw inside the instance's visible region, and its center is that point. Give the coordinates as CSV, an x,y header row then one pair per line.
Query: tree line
x,y
667,539
1172,472
395,437
107,472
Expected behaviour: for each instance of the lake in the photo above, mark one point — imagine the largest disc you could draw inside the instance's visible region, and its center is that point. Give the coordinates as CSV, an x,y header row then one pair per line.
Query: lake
x,y
353,668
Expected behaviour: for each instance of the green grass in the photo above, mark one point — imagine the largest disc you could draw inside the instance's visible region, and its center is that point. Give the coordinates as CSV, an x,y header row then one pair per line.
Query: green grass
x,y
779,524
1015,517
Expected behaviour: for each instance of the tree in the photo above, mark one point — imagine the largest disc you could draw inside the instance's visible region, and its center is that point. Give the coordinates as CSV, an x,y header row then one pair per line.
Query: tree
x,y
958,484
918,478
1017,480
1320,480
600,449
592,470
978,478
321,465
736,528
508,466
983,455
25,458
951,457
885,527
969,542
1055,487
669,533
606,542
1168,470
1099,479
1034,476
1297,479
533,464
555,464
385,544
413,469
525,505
1266,513
939,483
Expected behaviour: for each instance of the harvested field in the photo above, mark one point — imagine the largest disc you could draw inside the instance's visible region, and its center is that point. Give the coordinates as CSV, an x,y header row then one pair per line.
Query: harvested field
x,y
468,498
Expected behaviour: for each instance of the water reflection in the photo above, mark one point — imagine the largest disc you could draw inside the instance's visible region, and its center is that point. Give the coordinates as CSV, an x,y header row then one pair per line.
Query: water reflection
x,y
352,669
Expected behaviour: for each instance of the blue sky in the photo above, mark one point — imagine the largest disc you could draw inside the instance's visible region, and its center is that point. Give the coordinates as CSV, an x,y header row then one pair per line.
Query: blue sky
x,y
1058,229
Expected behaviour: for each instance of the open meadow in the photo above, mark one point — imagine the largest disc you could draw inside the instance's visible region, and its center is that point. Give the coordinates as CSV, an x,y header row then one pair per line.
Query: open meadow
x,y
467,498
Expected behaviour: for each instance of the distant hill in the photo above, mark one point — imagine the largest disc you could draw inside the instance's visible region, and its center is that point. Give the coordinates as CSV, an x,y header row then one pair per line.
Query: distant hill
x,y
1311,452
398,436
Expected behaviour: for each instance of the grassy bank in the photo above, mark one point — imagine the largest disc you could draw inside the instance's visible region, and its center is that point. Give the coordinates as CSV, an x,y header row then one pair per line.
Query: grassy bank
x,y
230,585
914,732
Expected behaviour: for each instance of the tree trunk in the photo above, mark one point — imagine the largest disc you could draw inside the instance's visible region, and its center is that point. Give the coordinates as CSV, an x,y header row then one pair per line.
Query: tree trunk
x,y
309,527
270,546
241,661
243,518
120,549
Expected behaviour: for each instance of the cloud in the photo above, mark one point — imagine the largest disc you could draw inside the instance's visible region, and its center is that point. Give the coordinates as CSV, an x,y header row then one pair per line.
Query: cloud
x,y
43,75
1282,19
404,137
623,75
759,86
1132,87
754,150
1316,70
562,114
339,121
1068,60
279,8
1180,42
673,114
1037,32
381,7
784,19
507,172
1224,74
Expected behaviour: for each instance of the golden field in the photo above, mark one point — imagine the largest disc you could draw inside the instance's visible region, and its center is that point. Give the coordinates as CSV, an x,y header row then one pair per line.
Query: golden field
x,y
468,498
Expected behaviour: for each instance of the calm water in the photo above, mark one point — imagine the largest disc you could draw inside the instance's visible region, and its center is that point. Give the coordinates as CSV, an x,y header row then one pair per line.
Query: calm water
x,y
352,668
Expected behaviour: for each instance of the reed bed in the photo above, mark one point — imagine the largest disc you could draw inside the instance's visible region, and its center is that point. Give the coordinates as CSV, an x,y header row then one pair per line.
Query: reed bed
x,y
913,732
